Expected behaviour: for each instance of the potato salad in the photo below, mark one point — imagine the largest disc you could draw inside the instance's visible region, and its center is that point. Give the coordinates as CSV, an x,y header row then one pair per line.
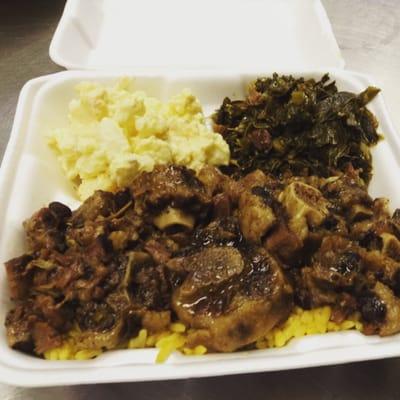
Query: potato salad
x,y
115,133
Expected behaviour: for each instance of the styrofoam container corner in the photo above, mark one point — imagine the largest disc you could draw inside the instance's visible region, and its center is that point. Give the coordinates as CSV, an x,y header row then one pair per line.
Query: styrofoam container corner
x,y
30,177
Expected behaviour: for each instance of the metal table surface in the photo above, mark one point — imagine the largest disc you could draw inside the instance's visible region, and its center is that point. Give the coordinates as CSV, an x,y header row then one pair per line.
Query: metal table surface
x,y
368,33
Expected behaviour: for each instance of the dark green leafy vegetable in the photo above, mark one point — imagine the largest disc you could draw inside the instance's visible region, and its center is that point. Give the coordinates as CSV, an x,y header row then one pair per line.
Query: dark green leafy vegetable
x,y
297,126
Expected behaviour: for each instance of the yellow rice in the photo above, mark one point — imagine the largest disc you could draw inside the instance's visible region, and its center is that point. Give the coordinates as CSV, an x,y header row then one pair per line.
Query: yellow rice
x,y
300,323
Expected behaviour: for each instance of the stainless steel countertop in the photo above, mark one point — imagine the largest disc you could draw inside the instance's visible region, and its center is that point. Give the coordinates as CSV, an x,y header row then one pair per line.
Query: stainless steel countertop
x,y
368,33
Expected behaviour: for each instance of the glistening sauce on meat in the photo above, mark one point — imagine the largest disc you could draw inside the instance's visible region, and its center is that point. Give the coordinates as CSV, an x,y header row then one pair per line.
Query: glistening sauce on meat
x,y
107,270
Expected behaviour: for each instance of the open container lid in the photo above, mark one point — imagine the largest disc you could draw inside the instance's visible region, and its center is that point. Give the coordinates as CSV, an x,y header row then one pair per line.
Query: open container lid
x,y
195,34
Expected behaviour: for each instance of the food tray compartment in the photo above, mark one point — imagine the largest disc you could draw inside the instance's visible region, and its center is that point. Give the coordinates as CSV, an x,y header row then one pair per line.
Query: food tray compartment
x,y
31,177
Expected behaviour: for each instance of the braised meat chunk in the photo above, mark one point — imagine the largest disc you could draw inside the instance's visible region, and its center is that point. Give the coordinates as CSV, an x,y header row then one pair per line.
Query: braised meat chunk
x,y
231,296
171,186
170,197
227,258
305,206
19,276
46,229
255,216
334,277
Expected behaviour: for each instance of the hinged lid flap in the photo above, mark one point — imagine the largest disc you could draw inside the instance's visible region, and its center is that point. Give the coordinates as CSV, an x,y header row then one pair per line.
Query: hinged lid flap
x,y
193,34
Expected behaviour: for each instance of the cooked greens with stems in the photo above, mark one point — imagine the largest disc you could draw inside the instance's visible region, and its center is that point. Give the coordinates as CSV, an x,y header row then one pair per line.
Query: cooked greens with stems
x,y
297,126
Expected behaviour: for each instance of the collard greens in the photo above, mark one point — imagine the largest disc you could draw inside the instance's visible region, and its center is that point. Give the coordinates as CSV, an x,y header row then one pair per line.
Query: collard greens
x,y
300,127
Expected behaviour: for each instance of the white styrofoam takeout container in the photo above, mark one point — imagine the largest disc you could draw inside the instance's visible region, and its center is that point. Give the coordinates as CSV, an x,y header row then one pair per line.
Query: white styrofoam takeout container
x,y
30,178
194,34
96,34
